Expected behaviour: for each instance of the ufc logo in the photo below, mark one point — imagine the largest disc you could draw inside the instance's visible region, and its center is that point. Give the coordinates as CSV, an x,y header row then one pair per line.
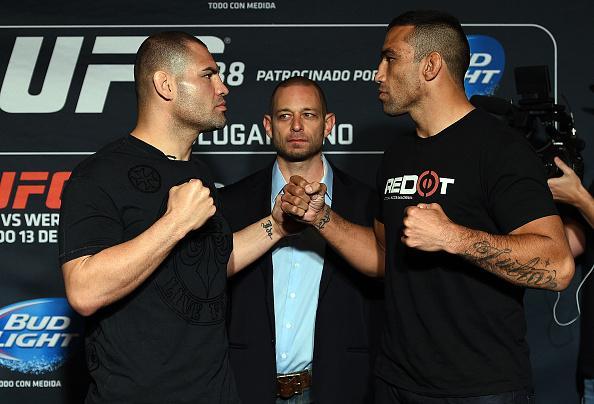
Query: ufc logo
x,y
14,93
31,183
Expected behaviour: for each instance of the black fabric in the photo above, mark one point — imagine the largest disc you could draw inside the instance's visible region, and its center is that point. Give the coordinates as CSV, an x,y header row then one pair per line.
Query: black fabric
x,y
586,355
166,341
386,393
454,329
349,305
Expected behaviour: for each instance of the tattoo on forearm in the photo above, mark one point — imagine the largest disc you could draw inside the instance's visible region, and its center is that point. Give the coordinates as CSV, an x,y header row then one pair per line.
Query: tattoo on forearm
x,y
533,273
268,228
324,219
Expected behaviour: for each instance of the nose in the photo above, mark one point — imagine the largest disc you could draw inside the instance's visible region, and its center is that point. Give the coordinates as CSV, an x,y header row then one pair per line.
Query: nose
x,y
296,123
222,89
380,75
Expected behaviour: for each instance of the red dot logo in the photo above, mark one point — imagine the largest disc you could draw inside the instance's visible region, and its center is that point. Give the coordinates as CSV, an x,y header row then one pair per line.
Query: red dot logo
x,y
427,183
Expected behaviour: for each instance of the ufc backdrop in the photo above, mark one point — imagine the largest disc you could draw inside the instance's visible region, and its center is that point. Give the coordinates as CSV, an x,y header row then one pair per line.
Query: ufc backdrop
x,y
66,76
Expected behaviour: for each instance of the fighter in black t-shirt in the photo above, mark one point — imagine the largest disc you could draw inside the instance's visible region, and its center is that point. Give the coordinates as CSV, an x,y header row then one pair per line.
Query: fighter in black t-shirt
x,y
466,223
145,252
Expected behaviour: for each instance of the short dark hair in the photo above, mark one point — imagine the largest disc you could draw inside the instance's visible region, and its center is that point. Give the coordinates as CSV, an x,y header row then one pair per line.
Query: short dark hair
x,y
299,81
166,50
436,31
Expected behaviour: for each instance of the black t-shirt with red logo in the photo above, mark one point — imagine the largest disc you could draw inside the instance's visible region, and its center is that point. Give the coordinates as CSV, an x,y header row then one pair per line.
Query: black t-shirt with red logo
x,y
452,328
166,341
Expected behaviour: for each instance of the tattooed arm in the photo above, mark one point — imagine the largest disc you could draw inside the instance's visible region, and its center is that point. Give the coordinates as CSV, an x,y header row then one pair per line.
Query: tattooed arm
x,y
252,242
535,255
362,247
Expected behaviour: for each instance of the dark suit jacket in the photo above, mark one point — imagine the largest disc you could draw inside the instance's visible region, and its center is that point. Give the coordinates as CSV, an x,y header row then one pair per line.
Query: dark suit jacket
x,y
348,314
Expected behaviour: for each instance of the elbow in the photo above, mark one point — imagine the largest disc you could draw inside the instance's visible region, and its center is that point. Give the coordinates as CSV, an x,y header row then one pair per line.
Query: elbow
x,y
565,273
378,272
232,267
81,304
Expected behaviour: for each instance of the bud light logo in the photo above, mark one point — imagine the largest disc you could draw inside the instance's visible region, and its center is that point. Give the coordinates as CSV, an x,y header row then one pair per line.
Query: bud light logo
x,y
36,336
487,62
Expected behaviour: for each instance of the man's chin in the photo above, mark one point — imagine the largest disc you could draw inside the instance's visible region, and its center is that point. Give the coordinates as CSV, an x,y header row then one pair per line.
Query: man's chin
x,y
297,156
392,111
215,124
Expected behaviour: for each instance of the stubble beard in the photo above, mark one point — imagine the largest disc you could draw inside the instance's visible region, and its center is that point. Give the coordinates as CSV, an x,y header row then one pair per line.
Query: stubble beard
x,y
214,122
297,155
198,114
199,118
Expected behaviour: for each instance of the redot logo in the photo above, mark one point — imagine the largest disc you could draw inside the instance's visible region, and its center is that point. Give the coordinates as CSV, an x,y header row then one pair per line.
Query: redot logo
x,y
425,184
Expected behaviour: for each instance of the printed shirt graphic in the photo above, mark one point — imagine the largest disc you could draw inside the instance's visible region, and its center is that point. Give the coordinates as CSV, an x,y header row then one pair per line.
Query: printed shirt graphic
x,y
173,323
454,329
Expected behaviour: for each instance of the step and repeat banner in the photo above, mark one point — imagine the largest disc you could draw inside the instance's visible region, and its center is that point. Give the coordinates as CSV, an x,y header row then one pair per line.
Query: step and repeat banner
x,y
67,89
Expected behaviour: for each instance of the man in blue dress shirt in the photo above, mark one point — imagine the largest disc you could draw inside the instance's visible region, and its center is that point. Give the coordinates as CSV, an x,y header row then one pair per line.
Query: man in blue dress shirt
x,y
302,322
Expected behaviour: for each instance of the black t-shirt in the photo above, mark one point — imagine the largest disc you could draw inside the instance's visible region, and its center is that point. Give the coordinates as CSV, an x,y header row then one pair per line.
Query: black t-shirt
x,y
166,341
453,329
586,358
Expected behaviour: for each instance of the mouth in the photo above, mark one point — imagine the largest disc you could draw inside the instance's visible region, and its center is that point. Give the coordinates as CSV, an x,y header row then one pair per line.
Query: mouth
x,y
297,141
222,106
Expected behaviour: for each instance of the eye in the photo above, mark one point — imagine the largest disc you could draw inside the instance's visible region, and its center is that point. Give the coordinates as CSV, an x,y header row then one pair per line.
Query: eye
x,y
284,116
309,115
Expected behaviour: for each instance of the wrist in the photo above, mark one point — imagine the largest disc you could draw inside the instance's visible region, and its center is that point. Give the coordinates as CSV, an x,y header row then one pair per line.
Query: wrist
x,y
322,218
274,230
176,229
453,239
583,199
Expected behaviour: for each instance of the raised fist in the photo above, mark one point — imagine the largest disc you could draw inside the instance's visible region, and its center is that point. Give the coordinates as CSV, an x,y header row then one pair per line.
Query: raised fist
x,y
190,205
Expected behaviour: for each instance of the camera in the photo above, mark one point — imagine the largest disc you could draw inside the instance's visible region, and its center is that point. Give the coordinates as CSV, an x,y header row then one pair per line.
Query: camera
x,y
546,125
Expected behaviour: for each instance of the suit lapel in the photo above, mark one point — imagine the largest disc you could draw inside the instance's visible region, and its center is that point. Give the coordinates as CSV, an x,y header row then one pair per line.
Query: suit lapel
x,y
264,207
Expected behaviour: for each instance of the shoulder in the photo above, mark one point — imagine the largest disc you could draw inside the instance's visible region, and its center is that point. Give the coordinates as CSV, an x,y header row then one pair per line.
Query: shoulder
x,y
494,132
102,164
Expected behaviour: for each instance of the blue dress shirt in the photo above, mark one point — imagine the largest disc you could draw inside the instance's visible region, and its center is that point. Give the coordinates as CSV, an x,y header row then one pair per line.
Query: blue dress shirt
x,y
297,263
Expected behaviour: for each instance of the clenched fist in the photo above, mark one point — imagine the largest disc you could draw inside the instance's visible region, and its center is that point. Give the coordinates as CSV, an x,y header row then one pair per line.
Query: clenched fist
x,y
285,223
303,200
190,205
427,228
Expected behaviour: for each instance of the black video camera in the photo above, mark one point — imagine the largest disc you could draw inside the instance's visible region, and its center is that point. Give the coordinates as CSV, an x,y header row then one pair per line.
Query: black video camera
x,y
547,126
